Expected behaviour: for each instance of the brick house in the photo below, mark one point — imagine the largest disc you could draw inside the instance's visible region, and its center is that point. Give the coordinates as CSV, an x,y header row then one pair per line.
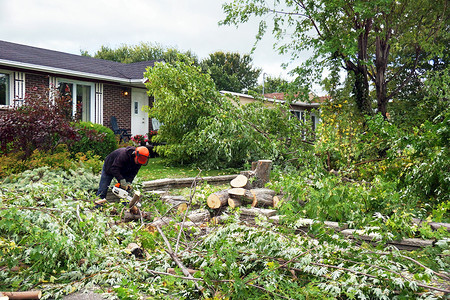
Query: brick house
x,y
101,88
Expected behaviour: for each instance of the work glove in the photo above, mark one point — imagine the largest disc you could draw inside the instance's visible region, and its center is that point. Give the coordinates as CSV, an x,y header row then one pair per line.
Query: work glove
x,y
125,185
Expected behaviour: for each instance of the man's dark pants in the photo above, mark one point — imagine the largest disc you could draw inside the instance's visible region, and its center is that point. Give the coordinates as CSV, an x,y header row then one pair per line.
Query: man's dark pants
x,y
103,186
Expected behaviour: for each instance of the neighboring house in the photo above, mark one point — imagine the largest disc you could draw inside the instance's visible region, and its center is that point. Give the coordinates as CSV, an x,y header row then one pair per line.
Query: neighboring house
x,y
100,88
301,110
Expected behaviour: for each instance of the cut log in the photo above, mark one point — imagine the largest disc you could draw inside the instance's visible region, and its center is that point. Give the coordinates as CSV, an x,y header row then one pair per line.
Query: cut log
x,y
433,225
161,222
199,216
262,173
135,200
242,196
258,211
236,192
179,205
178,202
128,216
135,250
134,210
254,165
240,181
277,200
261,197
23,295
217,199
233,203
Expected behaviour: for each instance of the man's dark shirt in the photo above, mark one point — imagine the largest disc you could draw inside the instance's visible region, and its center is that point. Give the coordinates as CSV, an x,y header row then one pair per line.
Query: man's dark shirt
x,y
120,164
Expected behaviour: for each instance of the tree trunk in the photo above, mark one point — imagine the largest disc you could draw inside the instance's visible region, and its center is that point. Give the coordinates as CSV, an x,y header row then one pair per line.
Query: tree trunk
x,y
361,84
381,59
217,199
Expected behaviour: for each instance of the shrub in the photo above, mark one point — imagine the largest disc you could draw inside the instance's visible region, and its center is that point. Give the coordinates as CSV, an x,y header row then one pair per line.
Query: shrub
x,y
95,138
12,163
38,124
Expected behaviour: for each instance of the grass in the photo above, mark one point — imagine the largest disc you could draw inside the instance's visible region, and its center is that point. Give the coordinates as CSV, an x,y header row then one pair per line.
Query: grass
x,y
156,169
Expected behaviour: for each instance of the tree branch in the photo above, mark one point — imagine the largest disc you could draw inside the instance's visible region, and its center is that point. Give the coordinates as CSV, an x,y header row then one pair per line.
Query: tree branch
x,y
194,184
176,259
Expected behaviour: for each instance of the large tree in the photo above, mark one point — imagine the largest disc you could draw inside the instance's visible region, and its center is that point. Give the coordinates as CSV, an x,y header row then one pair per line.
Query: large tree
x,y
231,72
141,52
367,36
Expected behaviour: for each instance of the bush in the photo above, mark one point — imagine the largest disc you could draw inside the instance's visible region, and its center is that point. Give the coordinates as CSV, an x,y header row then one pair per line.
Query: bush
x,y
95,138
38,124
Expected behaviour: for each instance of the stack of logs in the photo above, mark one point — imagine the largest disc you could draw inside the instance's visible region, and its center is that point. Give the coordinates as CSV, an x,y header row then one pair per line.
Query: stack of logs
x,y
247,189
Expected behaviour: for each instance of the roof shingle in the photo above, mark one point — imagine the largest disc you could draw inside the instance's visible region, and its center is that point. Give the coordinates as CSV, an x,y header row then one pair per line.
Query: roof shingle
x,y
23,54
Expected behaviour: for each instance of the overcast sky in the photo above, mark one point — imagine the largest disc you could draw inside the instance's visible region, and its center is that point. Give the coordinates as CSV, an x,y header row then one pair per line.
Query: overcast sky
x,y
74,25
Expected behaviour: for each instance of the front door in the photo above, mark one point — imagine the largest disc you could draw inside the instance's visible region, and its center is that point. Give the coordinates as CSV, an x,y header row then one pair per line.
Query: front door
x,y
139,118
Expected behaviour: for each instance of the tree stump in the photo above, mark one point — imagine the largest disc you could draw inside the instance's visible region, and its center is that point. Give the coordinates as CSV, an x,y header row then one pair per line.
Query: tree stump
x,y
262,173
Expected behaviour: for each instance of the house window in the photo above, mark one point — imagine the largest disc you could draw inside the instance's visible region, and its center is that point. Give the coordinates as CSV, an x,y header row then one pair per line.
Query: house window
x,y
5,90
81,95
299,114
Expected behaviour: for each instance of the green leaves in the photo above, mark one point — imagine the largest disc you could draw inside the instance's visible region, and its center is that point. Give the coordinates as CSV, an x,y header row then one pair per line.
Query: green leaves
x,y
231,72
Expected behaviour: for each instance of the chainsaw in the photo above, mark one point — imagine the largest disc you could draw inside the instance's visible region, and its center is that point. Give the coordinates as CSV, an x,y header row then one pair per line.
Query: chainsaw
x,y
131,197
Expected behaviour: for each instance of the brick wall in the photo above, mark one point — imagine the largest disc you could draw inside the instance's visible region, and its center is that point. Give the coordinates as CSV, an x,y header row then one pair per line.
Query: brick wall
x,y
36,85
116,104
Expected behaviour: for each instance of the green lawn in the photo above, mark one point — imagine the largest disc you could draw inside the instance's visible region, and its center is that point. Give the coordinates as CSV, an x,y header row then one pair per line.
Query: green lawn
x,y
157,170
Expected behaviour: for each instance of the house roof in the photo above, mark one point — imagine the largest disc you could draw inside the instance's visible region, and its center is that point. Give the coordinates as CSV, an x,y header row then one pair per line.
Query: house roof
x,y
28,57
278,97
312,97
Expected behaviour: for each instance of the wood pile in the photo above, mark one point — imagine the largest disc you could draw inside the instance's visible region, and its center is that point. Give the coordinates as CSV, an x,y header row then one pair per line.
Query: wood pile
x,y
247,189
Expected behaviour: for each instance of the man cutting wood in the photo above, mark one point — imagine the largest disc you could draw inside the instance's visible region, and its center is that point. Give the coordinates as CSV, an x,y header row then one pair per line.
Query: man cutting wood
x,y
122,164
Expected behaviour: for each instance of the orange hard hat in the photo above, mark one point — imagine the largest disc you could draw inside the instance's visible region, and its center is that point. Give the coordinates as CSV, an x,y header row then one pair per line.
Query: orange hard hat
x,y
142,155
